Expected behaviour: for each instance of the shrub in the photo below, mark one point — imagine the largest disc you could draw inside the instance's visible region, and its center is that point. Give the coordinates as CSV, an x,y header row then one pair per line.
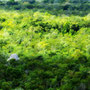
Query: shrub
x,y
6,85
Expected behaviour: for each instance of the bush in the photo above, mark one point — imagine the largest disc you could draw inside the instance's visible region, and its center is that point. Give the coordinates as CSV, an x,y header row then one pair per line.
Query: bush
x,y
6,85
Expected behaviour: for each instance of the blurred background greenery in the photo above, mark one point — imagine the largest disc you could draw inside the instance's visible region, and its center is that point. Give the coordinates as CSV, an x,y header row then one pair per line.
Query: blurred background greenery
x,y
56,7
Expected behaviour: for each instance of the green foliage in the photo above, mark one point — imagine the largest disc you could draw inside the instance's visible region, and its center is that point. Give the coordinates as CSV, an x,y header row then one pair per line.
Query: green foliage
x,y
6,85
56,7
54,51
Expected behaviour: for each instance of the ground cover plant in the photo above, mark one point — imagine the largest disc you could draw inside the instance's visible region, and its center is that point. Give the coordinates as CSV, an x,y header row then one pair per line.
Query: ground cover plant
x,y
54,51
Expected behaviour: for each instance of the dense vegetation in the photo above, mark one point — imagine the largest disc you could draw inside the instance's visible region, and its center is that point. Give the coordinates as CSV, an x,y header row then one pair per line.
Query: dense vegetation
x,y
56,7
54,51
52,41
